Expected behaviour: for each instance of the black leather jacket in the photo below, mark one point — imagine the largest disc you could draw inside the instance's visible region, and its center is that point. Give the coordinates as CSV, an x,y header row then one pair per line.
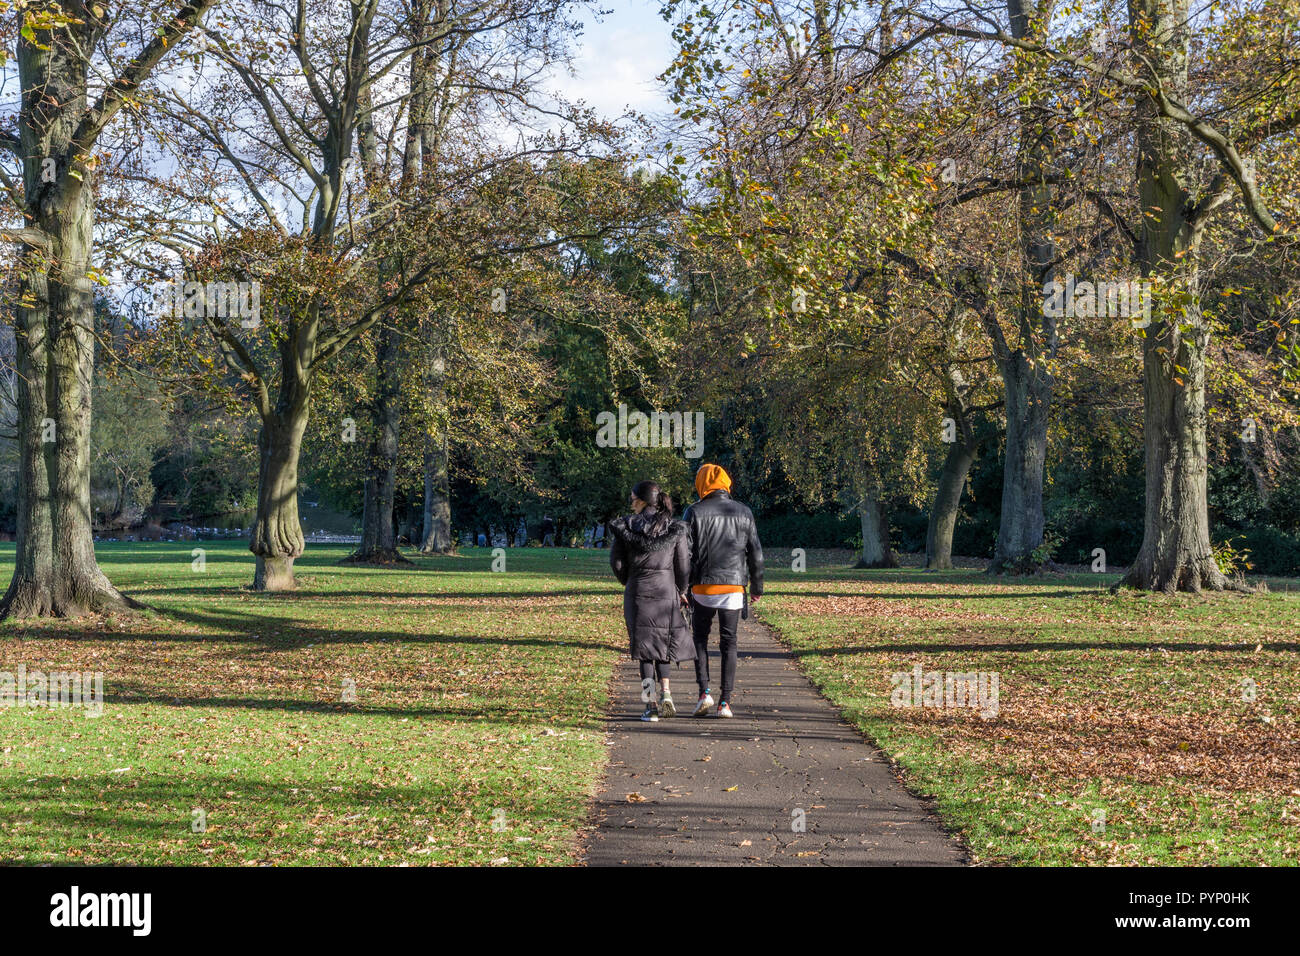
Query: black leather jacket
x,y
724,543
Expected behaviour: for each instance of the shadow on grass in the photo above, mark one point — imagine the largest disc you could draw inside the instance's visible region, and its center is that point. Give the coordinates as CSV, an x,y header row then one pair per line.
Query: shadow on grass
x,y
231,626
909,596
121,817
315,594
474,713
1028,646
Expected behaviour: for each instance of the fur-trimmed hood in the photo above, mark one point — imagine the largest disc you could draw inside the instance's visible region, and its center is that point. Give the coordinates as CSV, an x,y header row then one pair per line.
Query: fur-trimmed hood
x,y
651,530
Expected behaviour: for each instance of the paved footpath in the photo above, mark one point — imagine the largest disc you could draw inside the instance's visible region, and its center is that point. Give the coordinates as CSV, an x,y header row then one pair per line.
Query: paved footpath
x,y
707,791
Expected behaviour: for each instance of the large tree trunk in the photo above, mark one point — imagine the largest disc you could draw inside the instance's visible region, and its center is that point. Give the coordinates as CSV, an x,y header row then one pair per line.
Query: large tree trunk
x,y
1028,394
82,587
31,590
277,533
876,550
56,571
947,502
378,539
437,482
1176,552
1027,383
433,113
378,534
437,499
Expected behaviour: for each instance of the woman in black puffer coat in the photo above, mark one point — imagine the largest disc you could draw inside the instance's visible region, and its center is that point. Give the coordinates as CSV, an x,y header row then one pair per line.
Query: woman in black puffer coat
x,y
651,556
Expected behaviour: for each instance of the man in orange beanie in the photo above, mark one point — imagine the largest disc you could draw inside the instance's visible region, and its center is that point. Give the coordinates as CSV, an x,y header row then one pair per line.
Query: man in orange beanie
x,y
725,557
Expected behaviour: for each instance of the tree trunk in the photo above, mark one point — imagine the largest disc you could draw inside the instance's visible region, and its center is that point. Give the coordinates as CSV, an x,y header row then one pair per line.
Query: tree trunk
x,y
56,571
437,500
1027,383
876,551
81,586
277,533
437,481
1259,458
1176,552
947,502
31,590
378,528
1028,392
378,538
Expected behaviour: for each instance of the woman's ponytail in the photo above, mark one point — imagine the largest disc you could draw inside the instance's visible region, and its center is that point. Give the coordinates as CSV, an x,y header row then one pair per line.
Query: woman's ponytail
x,y
654,496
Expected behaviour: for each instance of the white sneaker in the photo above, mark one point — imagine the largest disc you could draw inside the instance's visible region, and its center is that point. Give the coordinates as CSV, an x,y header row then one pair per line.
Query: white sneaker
x,y
666,707
724,710
702,708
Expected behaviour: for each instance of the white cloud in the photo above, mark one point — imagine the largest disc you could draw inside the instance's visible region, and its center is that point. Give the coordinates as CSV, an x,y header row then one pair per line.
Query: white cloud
x,y
618,59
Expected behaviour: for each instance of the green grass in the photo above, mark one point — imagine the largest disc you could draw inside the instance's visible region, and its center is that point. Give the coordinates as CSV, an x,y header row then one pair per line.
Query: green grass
x,y
476,735
1128,704
479,692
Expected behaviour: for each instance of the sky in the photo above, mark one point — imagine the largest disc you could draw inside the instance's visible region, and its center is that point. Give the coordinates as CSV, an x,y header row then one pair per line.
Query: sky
x,y
619,58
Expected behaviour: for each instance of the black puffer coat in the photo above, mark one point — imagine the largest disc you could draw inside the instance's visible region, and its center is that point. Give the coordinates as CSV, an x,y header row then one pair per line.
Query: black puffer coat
x,y
652,557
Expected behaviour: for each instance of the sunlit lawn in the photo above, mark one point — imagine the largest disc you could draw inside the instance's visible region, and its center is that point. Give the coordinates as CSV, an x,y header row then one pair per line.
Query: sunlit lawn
x,y
477,729
476,735
1130,711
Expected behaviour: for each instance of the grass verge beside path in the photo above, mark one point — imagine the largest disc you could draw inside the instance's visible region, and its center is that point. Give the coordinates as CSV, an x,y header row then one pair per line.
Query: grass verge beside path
x,y
476,735
1124,734
477,732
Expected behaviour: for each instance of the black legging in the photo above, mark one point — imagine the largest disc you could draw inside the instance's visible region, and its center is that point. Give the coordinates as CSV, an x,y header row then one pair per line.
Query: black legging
x,y
648,669
727,624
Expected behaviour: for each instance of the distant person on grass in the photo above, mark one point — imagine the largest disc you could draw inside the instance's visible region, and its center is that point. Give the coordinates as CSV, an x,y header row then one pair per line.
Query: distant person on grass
x,y
651,558
725,557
